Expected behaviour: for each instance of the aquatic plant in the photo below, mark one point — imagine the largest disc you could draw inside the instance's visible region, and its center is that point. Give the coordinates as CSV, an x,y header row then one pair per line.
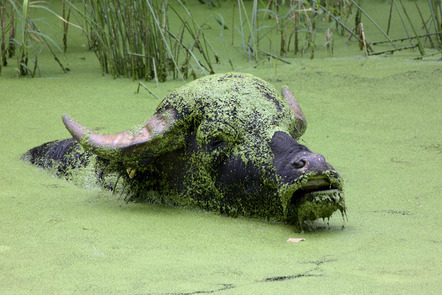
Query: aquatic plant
x,y
157,39
65,16
431,24
134,39
297,23
25,38
300,24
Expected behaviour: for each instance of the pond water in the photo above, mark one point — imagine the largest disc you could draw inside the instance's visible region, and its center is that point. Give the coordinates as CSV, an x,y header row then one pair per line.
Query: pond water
x,y
376,120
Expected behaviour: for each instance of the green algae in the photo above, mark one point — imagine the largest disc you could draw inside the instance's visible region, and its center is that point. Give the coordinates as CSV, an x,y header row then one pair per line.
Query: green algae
x,y
313,205
377,120
79,241
320,205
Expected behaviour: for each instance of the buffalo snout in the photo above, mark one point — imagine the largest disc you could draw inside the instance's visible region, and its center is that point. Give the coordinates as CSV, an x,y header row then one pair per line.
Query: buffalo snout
x,y
292,159
309,162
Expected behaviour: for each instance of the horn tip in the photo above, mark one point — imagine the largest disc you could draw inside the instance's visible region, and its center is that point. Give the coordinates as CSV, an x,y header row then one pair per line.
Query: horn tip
x,y
66,119
74,128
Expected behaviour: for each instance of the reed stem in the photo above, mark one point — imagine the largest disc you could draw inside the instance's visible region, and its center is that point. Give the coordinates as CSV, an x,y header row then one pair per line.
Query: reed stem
x,y
133,39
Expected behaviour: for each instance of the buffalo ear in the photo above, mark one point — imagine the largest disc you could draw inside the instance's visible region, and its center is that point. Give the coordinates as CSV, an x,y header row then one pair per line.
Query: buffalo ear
x,y
129,145
300,122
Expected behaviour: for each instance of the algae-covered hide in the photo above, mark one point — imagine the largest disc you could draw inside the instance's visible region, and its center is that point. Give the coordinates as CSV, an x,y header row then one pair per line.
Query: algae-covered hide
x,y
224,143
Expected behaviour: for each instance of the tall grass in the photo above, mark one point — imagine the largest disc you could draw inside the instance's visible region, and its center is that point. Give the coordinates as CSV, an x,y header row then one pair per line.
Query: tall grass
x,y
133,38
302,24
160,39
431,24
22,38
297,23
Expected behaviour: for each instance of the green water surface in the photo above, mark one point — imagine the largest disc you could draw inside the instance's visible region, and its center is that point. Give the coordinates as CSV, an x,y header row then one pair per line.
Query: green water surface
x,y
376,120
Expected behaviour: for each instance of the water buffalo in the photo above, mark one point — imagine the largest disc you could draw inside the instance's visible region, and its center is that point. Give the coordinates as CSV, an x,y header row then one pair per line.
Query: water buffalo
x,y
225,143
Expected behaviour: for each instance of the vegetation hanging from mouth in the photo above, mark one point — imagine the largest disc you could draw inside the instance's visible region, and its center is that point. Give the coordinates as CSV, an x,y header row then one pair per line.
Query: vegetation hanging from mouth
x,y
320,204
303,202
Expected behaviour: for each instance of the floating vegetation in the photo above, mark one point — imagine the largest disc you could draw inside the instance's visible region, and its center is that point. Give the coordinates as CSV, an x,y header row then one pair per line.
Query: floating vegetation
x,y
321,205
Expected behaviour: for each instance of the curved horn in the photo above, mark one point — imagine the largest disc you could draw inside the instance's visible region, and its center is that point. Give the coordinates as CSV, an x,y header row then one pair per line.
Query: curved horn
x,y
300,123
125,143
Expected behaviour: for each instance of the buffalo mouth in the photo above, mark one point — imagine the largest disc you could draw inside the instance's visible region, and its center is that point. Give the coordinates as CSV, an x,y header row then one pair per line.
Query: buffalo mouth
x,y
315,196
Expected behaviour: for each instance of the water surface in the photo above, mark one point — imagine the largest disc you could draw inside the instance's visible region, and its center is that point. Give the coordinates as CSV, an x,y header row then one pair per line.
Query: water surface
x,y
376,120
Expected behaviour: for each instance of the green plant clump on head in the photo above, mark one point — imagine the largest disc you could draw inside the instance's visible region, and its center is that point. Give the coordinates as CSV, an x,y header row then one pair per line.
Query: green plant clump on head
x,y
209,147
228,117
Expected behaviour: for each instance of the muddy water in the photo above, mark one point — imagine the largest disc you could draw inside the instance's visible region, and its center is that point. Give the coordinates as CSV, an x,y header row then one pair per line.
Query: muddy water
x,y
376,120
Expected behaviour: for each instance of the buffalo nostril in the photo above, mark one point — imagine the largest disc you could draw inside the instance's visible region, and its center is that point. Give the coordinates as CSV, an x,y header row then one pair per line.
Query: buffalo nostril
x,y
298,163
